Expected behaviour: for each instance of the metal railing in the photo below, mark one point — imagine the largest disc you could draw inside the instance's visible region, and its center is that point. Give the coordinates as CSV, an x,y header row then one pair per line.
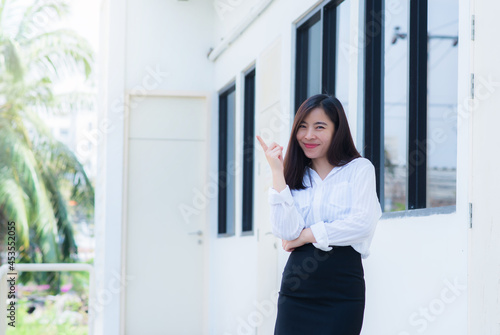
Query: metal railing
x,y
60,267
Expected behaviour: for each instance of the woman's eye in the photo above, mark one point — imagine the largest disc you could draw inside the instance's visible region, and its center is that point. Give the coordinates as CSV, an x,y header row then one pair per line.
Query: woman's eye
x,y
318,127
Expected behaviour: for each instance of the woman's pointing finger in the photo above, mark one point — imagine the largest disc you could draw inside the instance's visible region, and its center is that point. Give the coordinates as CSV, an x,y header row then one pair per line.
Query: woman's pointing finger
x,y
262,143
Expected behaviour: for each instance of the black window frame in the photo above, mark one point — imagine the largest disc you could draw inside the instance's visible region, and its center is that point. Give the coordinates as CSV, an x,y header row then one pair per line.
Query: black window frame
x,y
417,101
222,224
374,91
301,60
417,106
327,13
247,224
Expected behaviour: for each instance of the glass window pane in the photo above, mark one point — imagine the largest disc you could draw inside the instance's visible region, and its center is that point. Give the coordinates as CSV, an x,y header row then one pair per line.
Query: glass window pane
x,y
395,106
231,163
442,102
314,59
342,64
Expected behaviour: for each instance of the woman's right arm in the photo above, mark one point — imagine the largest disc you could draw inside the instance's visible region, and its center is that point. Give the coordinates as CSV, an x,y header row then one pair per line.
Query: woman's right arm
x,y
279,182
286,222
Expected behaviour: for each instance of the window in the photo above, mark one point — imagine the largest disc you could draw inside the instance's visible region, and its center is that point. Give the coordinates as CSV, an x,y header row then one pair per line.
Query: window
x,y
248,151
442,79
411,101
227,166
395,104
319,66
64,133
308,59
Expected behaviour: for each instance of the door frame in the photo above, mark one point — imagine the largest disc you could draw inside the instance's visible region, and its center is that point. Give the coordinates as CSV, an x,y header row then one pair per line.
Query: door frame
x,y
126,119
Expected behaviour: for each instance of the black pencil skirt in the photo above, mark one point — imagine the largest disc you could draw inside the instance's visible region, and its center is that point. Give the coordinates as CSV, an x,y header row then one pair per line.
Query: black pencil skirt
x,y
322,293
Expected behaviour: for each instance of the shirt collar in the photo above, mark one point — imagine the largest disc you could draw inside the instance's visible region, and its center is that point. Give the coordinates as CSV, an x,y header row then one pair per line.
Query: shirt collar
x,y
316,176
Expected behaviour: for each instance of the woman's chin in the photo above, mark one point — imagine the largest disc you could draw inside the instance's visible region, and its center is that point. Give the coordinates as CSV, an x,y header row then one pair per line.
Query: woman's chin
x,y
311,156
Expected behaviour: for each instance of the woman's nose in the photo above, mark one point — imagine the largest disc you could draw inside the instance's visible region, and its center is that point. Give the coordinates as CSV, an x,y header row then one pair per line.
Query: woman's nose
x,y
309,134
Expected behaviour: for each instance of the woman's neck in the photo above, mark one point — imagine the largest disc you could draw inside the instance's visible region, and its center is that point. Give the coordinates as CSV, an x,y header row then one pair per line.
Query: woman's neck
x,y
322,167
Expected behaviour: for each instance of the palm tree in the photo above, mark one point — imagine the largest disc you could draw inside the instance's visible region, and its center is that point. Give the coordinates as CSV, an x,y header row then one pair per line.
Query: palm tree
x,y
38,174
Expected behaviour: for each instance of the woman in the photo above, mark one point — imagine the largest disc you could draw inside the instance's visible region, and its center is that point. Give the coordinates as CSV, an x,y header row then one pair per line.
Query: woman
x,y
324,207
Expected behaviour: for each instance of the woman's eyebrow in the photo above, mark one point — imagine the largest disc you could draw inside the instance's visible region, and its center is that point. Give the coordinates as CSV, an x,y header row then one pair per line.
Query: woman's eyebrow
x,y
319,122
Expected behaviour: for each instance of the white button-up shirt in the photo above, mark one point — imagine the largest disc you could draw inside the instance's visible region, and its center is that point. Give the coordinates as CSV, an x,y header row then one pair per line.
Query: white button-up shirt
x,y
343,209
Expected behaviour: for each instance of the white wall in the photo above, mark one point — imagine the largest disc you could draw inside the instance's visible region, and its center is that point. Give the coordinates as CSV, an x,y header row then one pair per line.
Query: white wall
x,y
172,36
146,46
235,267
413,262
414,259
108,210
484,117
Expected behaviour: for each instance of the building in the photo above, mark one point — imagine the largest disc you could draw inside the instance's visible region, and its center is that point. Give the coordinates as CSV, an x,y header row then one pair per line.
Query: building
x,y
79,133
183,235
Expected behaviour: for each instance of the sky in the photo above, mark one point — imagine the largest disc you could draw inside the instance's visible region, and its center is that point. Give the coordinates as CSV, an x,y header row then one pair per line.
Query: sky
x,y
84,18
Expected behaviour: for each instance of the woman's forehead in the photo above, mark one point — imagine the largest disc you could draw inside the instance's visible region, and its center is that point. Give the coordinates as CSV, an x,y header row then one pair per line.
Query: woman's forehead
x,y
315,115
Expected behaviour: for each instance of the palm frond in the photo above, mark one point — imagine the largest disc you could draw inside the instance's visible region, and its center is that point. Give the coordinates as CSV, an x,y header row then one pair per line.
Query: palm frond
x,y
11,58
19,161
38,174
59,52
63,162
13,204
59,204
38,15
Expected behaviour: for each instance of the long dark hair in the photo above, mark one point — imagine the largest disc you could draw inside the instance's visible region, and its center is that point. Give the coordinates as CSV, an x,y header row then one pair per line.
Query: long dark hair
x,y
341,150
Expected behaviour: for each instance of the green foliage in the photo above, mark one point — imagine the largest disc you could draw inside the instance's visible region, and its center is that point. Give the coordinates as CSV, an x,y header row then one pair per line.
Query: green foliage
x,y
79,281
398,206
47,324
38,174
48,316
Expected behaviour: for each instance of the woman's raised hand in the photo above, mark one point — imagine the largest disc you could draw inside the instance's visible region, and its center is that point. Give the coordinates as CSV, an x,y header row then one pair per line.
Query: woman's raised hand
x,y
274,154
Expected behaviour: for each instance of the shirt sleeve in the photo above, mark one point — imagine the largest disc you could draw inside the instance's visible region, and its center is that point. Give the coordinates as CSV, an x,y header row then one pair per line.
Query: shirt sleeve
x,y
286,222
360,224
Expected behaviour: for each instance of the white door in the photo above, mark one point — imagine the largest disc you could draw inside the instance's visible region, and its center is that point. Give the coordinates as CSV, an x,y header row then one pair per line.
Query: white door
x,y
166,220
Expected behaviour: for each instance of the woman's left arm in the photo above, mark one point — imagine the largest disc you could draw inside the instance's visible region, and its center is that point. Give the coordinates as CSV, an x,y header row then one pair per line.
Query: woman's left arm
x,y
362,220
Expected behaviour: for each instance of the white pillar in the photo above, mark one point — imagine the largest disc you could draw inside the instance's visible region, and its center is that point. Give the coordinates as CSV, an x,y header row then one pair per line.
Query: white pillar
x,y
109,180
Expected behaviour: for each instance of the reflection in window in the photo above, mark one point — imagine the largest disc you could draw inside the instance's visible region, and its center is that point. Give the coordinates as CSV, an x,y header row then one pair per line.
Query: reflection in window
x,y
322,55
308,59
248,152
314,60
442,102
395,108
419,58
231,150
342,47
226,203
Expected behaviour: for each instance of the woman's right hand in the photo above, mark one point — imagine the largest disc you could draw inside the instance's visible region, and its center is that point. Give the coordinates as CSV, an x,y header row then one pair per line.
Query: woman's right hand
x,y
274,154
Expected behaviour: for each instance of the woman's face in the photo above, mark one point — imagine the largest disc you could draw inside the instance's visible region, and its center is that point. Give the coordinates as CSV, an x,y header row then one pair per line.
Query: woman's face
x,y
315,134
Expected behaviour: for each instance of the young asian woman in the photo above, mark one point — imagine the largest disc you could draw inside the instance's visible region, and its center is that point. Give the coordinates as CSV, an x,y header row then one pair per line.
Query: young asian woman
x,y
325,208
